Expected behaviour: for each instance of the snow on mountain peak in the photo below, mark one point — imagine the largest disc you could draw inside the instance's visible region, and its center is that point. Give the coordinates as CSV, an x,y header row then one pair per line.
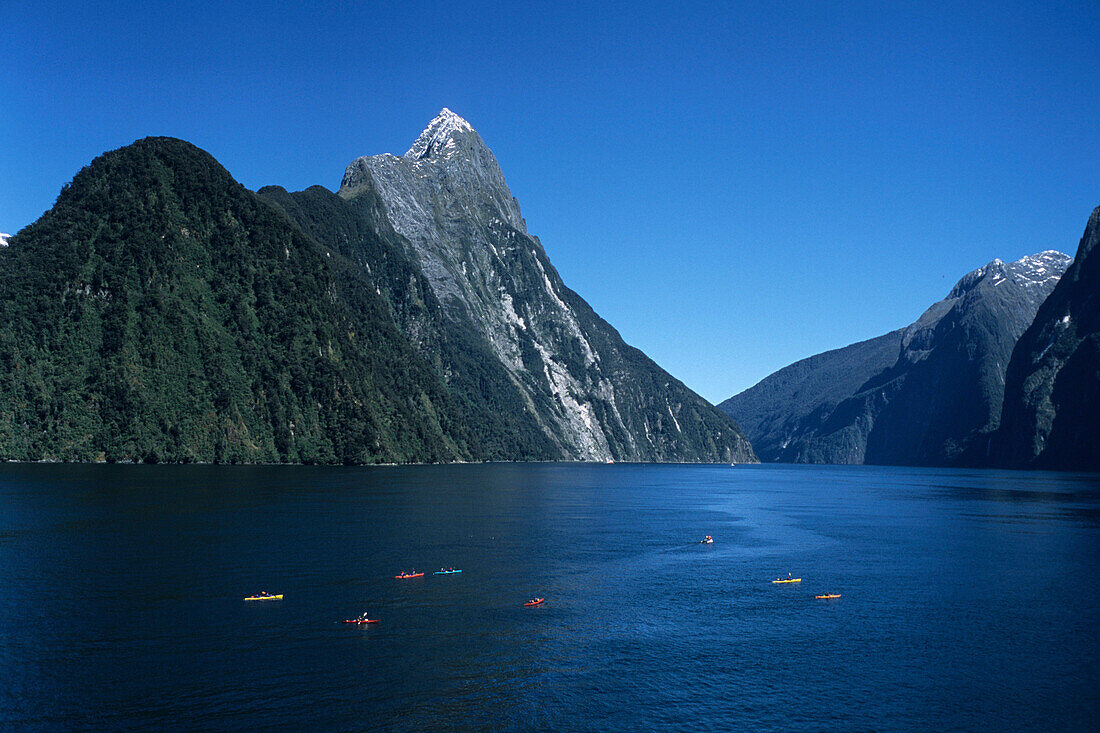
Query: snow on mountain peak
x,y
439,135
1038,268
1030,271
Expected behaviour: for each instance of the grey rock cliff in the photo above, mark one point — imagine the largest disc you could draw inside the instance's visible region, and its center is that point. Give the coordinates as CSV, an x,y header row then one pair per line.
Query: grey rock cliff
x,y
593,396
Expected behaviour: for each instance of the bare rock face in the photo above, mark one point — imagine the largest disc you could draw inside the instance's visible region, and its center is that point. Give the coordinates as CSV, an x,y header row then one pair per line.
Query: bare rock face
x,y
1051,416
593,396
924,395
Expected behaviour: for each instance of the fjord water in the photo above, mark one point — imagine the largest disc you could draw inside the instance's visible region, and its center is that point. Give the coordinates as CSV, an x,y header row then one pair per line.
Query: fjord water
x,y
969,598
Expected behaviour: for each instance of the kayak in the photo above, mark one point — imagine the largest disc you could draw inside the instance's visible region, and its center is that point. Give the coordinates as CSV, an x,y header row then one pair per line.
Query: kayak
x,y
535,602
265,598
447,572
788,580
829,595
413,574
360,621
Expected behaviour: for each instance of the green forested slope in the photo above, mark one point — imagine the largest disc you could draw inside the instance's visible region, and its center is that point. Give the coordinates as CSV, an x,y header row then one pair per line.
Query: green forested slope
x,y
499,424
162,312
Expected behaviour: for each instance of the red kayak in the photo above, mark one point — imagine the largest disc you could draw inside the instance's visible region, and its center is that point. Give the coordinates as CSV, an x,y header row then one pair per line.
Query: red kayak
x,y
360,621
535,602
413,574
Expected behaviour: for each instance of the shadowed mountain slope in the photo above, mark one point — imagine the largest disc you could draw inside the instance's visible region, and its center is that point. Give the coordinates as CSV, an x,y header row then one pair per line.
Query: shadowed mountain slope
x,y
1051,415
938,394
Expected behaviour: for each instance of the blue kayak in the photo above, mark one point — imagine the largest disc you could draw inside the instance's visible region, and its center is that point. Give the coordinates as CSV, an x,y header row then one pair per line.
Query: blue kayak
x,y
447,572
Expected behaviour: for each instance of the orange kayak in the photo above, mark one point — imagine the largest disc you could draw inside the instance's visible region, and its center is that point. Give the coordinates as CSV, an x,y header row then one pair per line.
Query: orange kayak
x,y
535,602
413,574
360,621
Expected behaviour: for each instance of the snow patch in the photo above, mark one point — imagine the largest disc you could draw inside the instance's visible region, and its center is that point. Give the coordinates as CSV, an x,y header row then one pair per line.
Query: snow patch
x,y
439,135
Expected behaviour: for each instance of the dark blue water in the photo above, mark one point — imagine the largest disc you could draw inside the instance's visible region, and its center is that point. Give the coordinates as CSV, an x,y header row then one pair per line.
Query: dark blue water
x,y
969,599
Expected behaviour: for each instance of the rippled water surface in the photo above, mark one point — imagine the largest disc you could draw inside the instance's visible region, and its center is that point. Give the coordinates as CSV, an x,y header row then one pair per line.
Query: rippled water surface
x,y
969,599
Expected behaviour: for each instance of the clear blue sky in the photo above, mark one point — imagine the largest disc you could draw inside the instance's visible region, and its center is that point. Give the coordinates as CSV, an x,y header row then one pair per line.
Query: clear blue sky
x,y
733,186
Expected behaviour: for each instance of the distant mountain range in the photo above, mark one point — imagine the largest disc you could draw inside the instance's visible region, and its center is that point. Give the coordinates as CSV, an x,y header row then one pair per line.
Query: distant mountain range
x,y
162,312
928,394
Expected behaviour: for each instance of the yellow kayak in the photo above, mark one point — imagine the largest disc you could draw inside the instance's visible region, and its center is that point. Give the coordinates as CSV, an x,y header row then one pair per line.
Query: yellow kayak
x,y
829,595
265,597
788,580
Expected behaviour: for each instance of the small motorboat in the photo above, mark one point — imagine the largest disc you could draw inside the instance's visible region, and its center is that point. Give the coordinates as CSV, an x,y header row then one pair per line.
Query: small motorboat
x,y
265,596
708,540
788,579
408,574
448,571
535,602
829,595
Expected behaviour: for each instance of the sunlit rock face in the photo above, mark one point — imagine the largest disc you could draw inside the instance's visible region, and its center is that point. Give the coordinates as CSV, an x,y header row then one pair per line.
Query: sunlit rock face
x,y
593,396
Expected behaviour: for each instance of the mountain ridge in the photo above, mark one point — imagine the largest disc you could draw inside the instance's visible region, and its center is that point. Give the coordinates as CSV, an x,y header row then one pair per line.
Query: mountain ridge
x,y
938,394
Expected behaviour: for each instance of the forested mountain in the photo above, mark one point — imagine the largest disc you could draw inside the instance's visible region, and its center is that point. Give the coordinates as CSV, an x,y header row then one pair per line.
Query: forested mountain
x,y
162,312
936,396
1051,414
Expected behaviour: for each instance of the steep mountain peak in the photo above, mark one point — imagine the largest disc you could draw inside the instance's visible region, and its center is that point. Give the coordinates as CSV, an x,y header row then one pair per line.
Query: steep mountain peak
x,y
1037,270
440,137
589,395
1031,278
450,164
